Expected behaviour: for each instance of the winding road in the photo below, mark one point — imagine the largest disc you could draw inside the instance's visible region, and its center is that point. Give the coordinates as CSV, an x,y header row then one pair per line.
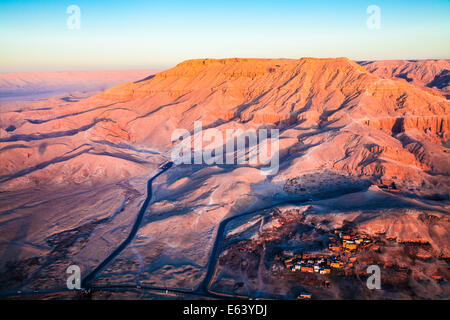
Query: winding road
x,y
213,257
91,276
203,288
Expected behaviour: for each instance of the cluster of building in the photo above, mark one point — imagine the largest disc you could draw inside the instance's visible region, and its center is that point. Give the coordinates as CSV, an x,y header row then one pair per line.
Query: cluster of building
x,y
340,256
342,244
303,263
348,241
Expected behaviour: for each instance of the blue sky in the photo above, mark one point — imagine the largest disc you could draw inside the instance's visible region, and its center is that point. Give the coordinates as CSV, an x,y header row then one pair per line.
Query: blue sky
x,y
121,35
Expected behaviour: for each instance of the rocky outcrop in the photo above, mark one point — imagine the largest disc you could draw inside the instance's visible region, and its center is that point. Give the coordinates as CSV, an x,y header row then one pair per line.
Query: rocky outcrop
x,y
439,124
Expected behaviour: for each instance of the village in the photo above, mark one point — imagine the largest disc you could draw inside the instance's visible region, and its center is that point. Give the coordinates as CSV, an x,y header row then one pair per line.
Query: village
x,y
339,257
311,261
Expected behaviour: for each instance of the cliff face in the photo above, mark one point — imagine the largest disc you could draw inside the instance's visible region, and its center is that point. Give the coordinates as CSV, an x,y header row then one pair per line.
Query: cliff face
x,y
438,125
271,91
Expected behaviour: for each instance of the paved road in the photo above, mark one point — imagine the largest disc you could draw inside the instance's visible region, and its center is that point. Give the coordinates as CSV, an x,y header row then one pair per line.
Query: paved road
x,y
91,276
203,288
212,262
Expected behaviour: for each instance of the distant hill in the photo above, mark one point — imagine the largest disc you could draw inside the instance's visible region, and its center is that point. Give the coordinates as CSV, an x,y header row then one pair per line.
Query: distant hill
x,y
45,84
425,73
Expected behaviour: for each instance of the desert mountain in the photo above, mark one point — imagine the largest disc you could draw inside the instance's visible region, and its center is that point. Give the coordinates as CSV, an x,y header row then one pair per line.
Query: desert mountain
x,y
74,173
371,126
425,73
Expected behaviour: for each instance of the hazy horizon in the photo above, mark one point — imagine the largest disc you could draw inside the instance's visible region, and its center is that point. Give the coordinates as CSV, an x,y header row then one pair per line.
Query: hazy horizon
x,y
169,67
